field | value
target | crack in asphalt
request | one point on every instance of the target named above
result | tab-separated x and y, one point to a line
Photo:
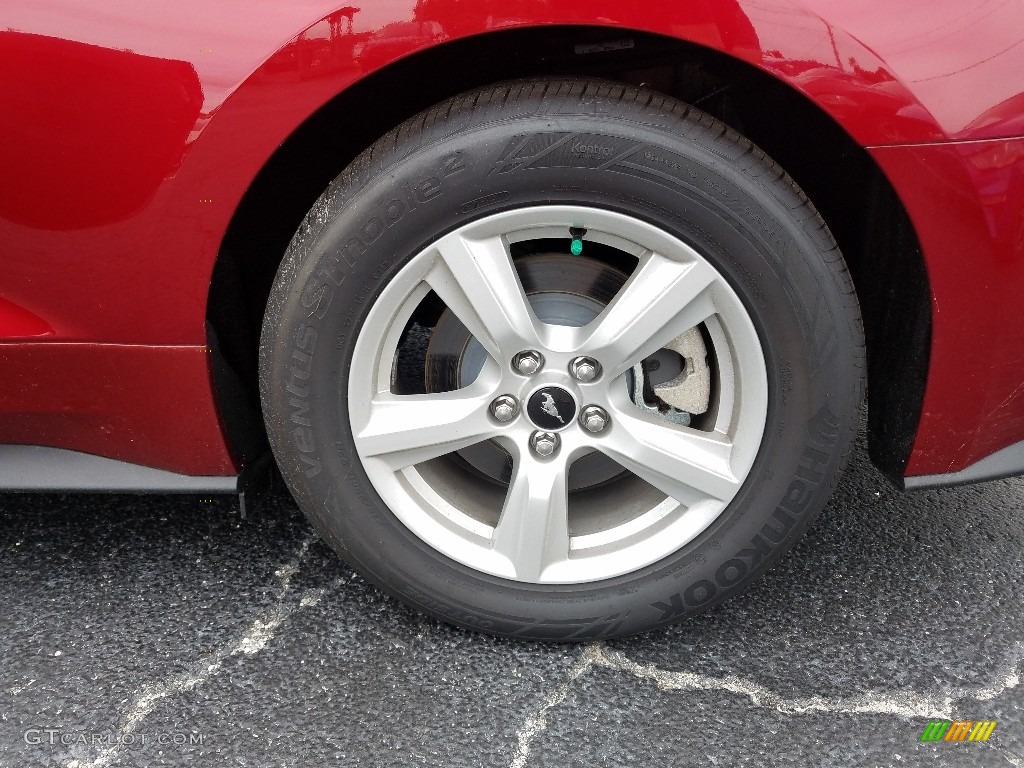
539	720
934	705
253	640
1011	757
906	704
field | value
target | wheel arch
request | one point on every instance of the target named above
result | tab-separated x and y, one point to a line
846	185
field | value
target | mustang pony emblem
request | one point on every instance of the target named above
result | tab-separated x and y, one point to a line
549	407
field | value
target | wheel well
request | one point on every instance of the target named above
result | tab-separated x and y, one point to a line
853	196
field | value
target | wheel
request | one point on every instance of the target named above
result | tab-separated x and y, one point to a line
562	360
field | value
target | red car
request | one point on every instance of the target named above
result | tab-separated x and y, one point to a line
556	316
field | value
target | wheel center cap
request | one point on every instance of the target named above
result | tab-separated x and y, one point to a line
551	408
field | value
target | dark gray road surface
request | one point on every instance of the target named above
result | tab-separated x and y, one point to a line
132	625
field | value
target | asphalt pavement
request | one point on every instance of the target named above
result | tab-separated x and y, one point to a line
164	631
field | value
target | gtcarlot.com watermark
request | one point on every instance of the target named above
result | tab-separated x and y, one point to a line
55	737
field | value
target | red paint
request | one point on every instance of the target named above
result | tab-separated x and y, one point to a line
76	132
132	130
19	322
146	405
967	204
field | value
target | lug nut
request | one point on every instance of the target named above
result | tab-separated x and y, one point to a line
528	362
594	418
544	443
584	369
504	407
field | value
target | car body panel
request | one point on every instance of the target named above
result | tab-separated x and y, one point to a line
109	241
142	404
966	201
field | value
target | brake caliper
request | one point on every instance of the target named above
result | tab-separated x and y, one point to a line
686	394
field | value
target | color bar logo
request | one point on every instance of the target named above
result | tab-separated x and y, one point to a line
958	730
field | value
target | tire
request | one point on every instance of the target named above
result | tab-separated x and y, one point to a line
394	318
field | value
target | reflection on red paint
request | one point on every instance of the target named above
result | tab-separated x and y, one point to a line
17	322
1004	119
94	131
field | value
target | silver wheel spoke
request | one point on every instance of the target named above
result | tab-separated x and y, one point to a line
459	504
478	282
533	531
687	465
403	430
663	299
